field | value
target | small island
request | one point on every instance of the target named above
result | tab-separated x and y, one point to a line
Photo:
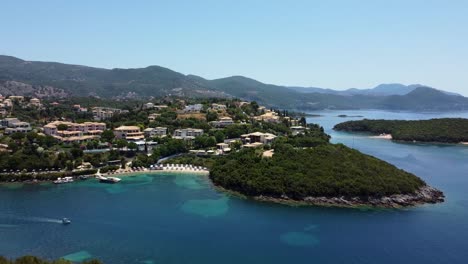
442	130
308	169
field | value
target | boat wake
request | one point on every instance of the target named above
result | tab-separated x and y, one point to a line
34	219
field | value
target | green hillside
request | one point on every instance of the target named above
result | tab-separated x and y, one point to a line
444	130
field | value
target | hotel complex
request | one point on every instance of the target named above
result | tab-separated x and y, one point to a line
74	132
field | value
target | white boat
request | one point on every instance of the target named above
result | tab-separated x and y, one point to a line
63	180
66	221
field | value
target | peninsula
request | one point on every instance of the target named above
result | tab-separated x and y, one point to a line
308	169
443	130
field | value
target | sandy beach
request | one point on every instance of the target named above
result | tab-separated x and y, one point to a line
167	169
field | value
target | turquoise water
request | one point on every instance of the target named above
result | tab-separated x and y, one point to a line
170	218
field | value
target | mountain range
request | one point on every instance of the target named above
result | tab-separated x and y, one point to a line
52	79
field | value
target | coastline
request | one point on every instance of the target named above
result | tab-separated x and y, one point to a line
425	195
122	173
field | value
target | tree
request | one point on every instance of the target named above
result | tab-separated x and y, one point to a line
121	143
132	146
62	127
302	121
211	116
76	152
17	136
107	136
219	135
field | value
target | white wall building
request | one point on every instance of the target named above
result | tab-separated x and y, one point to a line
187	133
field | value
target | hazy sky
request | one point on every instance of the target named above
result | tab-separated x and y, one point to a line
332	44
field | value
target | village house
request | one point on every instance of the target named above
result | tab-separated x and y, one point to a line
217	107
102	113
297	130
130	133
222	122
148	106
80	109
7	103
187	133
35	102
152	117
269	117
253	139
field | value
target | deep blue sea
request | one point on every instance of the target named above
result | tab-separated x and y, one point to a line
175	218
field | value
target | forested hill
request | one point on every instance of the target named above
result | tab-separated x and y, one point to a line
42	79
444	130
309	166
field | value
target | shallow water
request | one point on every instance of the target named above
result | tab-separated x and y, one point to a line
170	218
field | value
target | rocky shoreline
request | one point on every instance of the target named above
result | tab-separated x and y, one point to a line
425	195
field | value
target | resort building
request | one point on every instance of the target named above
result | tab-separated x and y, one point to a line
187	133
102	113
13	125
74	132
155	132
7	121
131	133
222	122
257	137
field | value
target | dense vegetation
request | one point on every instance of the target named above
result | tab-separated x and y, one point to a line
444	130
36	260
310	166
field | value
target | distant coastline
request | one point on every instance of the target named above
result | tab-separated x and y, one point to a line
442	130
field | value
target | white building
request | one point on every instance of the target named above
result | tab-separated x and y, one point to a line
187	133
193	108
102	113
13	125
222	122
218	106
258	137
296	130
155	132
148	105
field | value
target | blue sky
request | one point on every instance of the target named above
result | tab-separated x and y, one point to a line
331	44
